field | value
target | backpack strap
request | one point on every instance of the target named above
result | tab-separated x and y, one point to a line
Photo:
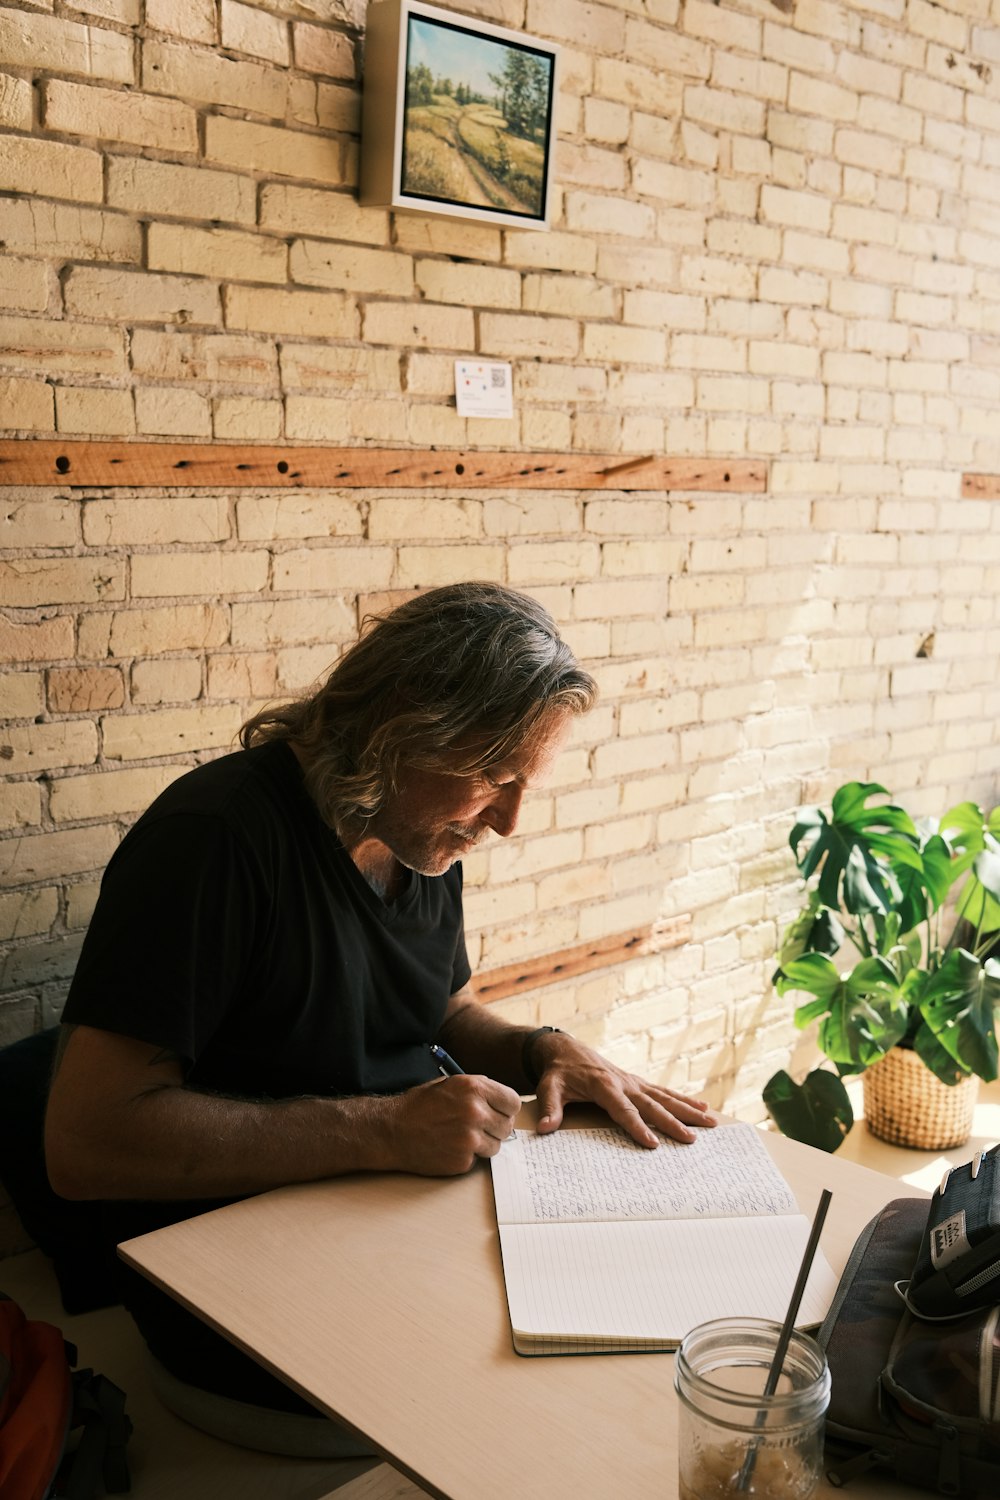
99	1458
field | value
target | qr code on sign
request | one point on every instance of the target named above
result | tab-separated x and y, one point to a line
497	377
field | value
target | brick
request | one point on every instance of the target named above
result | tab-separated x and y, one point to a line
180	627
216	574
144	736
30	582
21	695
136	297
161	519
314	570
65	232
272	149
15	102
322	50
593	213
326	214
211	78
424	325
75	690
293	515
552	562
94	412
247	417
884	117
20	805
49	169
246	29
33	748
746	75
682	186
567	296
168	679
470	286
719	109
408	518
221	358
26	405
25	285
622	345
41	641
292	622
192	19
790	45
50	856
27	913
554	251
109	794
36	342
513	337
267	310
648	88
164	412
165	189
351	269
244	676
54	44
348	369
228	254
125	12
136	119
425	567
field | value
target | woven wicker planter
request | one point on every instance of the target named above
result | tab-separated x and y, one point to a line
907	1105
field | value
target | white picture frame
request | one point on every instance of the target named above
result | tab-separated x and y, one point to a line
457	116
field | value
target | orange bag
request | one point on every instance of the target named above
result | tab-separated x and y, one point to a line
42	1401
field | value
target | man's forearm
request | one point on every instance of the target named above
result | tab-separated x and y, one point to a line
175	1142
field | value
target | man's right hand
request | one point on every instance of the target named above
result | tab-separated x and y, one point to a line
440	1128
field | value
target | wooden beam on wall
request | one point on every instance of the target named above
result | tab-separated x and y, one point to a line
43	461
981	486
533	973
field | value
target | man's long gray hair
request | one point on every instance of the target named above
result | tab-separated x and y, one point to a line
455	679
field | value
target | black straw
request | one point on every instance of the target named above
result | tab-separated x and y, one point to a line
773	1375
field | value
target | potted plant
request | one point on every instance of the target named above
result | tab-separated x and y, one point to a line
880	888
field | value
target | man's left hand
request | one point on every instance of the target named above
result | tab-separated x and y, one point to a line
575	1074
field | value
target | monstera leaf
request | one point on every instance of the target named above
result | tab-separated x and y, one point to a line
817	1111
862	1014
816	929
844	849
958	1005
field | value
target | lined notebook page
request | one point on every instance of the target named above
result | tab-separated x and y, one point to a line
645	1284
579	1175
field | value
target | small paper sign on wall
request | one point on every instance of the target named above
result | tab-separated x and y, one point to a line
483	388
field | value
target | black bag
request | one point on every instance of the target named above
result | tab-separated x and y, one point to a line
918	1399
62	1431
958	1267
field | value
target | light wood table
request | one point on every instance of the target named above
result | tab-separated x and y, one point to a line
381	1300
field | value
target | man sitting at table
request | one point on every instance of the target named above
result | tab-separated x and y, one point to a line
279	938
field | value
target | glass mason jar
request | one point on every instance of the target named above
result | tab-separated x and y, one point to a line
733	1440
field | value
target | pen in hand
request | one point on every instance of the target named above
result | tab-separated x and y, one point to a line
447	1066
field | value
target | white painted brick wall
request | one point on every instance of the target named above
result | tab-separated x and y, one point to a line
775	236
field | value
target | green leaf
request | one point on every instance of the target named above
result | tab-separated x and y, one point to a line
814	973
940	1062
816	929
963	826
862	1014
957	1004
817	1111
855	852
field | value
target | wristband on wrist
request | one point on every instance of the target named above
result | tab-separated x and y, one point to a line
527	1066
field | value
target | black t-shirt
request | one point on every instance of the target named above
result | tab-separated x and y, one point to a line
234	929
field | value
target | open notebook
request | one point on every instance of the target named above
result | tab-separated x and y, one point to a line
611	1248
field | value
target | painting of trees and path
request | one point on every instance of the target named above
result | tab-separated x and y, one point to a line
477	119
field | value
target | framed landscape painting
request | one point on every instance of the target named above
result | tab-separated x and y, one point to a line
457	116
